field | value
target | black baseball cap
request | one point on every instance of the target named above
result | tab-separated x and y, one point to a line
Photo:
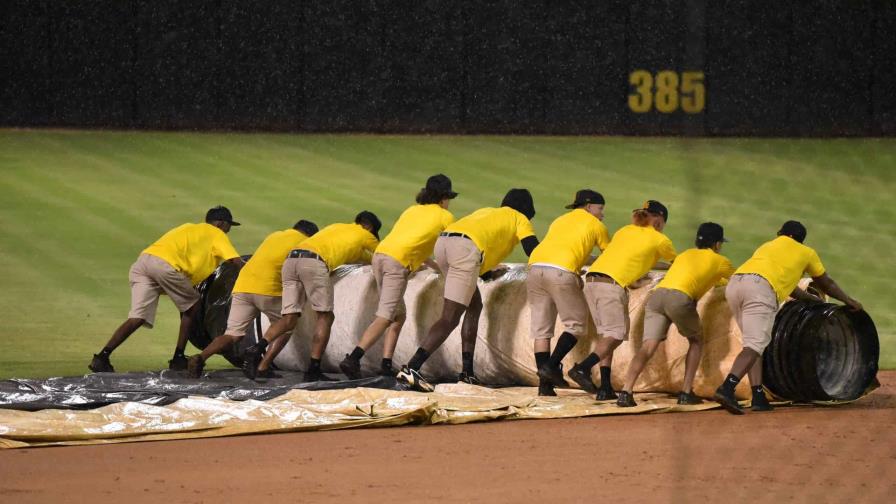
372	219
521	201
710	232
220	213
586	196
655	207
793	229
440	184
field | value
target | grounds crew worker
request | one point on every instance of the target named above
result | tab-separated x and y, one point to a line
674	300
258	289
754	294
466	250
306	274
554	286
633	251
402	251
177	262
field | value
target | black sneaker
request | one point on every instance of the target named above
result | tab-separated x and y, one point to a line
546	389
251	359
350	367
687	398
178	363
760	403
195	365
582	378
100	364
625	400
728	401
468	378
268	374
606	394
553	374
316	376
414	380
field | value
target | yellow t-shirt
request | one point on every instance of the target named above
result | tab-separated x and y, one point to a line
340	244
261	275
414	234
782	262
570	240
632	252
193	249
696	270
495	231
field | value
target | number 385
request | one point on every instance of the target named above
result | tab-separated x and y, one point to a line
667	92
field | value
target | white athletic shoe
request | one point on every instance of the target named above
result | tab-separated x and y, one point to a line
413	378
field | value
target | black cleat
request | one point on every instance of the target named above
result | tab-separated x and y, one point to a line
688	398
728	401
582	378
625	400
268	374
350	367
546	389
760	403
251	359
412	378
468	378
316	376
100	364
553	374
195	365
178	363
606	394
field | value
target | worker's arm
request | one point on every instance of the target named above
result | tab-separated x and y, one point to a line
830	287
802	295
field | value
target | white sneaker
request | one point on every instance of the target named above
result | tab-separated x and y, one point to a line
413	378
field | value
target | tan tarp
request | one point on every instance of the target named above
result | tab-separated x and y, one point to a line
301	410
504	350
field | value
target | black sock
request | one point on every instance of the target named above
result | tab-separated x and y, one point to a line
106	351
262	344
730	383
314	365
565	343
467	359
357	353
605	378
418	359
386	365
589	362
541	358
758	390
179	352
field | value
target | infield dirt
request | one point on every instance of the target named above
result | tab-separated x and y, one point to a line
794	454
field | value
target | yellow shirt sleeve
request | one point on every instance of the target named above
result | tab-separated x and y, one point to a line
447	219
815	268
523	227
726	269
603	237
667	250
222	248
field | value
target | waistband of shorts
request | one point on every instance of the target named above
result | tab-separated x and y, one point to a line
306	254
452	235
594	276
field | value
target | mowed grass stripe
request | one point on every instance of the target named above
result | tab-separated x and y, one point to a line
98	198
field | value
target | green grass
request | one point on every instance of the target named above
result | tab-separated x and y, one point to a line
77	207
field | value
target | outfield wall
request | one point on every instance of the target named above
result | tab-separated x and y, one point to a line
663	67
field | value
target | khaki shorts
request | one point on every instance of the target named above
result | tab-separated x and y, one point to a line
609	309
391	280
551	291
244	308
753	305
667	306
459	260
306	278
151	276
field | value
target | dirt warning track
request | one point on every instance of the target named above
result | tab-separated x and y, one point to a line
796	454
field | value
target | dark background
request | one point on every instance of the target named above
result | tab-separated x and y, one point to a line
820	68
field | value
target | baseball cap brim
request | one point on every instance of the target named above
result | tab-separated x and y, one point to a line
234	223
452	194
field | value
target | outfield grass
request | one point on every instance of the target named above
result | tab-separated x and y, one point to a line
77	207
